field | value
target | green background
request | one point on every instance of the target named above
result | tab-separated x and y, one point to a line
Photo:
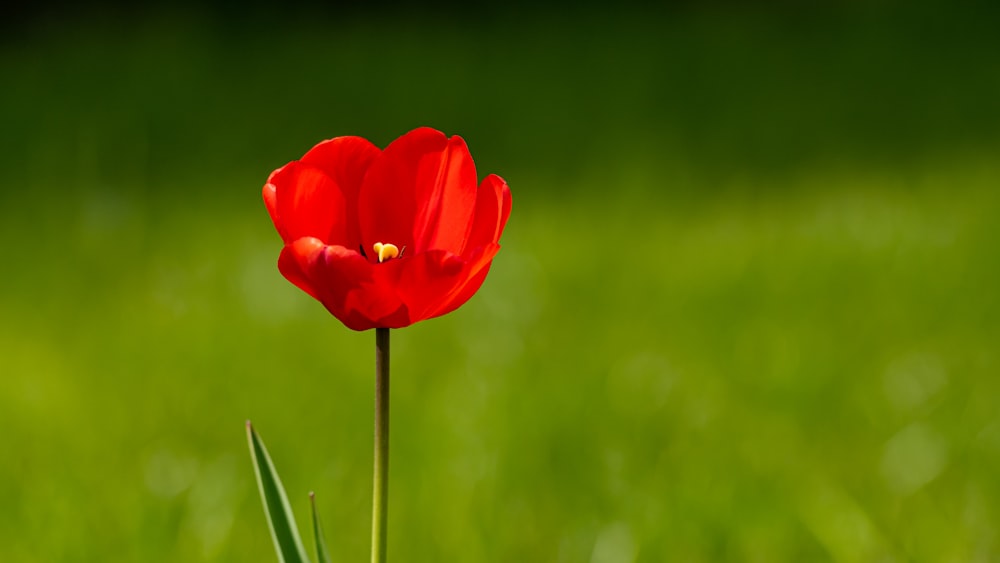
746	307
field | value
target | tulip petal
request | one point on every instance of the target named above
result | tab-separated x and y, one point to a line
465	292
446	199
309	204
345	283
346	161
288	265
271	202
480	266
492	211
430	282
504	208
420	193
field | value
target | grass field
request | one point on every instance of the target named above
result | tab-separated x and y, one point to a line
745	310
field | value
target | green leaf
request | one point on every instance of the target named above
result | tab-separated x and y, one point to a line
322	553
279	513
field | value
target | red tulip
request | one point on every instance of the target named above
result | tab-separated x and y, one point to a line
386	238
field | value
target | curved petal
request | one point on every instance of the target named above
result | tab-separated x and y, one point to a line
309	204
477	274
345	160
344	282
492	211
465	292
504	209
271	202
288	265
420	193
446	199
429	282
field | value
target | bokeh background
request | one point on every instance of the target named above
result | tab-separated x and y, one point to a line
746	308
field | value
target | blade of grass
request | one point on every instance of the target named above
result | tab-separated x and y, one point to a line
280	519
322	553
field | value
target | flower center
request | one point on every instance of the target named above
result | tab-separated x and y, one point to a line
385	251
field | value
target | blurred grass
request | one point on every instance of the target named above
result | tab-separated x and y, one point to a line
745	310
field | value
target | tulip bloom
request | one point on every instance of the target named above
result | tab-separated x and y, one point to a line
387	238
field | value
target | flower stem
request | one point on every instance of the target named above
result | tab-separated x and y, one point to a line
380	494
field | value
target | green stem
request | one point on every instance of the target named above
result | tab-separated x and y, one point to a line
380	495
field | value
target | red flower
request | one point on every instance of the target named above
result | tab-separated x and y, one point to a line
387	238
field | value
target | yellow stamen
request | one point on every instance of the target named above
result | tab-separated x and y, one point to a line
385	251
